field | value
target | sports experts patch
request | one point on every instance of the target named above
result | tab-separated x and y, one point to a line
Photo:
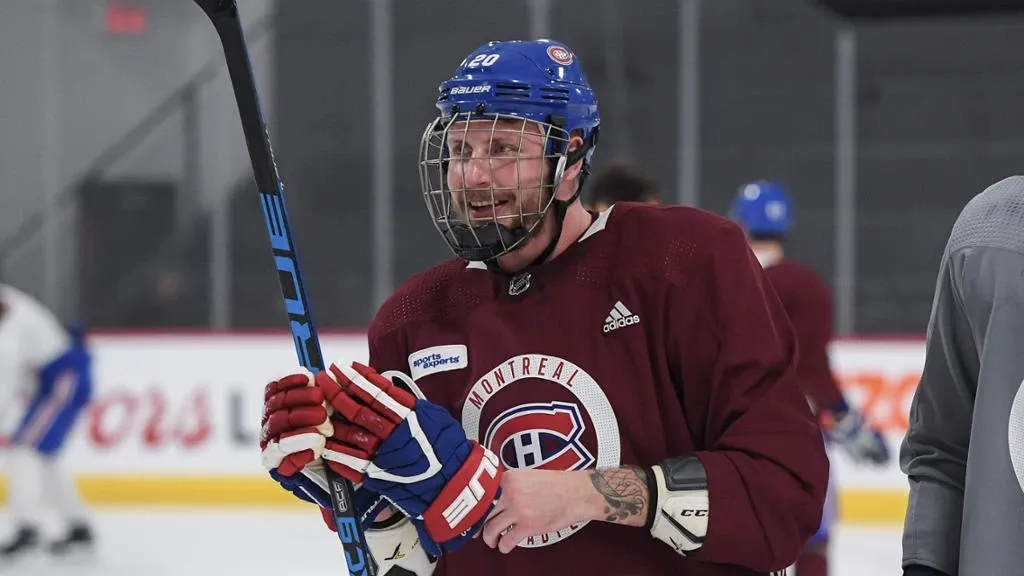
437	359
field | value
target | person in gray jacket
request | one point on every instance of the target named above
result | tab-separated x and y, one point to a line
964	451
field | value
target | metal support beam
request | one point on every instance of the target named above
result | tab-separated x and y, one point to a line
382	122
689	103
540	18
845	179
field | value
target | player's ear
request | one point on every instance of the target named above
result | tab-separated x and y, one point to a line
572	172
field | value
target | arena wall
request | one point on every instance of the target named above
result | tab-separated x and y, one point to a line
175	418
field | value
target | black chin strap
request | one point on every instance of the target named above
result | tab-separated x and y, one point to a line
560	207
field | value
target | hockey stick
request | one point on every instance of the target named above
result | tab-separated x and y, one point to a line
224	16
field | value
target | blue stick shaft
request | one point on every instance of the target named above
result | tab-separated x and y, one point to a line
224	15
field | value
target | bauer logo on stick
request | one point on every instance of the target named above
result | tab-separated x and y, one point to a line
560	55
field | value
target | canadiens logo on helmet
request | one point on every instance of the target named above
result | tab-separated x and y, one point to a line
542	435
560	55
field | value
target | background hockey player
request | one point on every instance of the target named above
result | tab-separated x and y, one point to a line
607	393
765	212
964	450
621	182
43	361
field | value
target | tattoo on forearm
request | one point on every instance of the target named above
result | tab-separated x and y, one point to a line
624	491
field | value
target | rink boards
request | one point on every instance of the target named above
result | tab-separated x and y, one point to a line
175	418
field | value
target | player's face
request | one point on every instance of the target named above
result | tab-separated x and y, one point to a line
497	172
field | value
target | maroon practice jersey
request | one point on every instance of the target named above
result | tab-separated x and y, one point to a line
653	336
808	303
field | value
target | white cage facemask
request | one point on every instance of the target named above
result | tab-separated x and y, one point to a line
488	181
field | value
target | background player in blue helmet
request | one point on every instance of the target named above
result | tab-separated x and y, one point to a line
41	360
765	212
621	182
547	431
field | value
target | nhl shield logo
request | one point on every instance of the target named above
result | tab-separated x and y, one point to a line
519	284
545	436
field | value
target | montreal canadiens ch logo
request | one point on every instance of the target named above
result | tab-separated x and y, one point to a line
540	436
546	434
560	55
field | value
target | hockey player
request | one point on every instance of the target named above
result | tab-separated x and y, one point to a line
765	212
595	393
964	450
621	183
51	366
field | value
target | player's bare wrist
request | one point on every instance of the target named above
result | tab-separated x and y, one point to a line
619	495
387	515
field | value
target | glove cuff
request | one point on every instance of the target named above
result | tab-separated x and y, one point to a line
679	508
467	496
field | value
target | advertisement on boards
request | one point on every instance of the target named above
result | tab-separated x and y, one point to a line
175	417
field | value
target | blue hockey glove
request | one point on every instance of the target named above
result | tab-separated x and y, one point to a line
858	439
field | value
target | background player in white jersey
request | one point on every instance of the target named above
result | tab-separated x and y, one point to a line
49	366
964	449
621	182
765	211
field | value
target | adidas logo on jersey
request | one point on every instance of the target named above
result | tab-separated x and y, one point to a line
619	317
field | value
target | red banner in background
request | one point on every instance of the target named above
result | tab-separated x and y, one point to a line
884	399
151	416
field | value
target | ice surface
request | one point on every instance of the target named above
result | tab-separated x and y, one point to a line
162	542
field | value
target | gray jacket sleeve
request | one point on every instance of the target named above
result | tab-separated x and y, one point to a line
964	450
963	454
934	452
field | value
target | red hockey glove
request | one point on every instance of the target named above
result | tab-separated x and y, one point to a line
295	426
295	431
424	463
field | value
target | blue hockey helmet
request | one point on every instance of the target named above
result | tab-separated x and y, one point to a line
763	208
511	85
